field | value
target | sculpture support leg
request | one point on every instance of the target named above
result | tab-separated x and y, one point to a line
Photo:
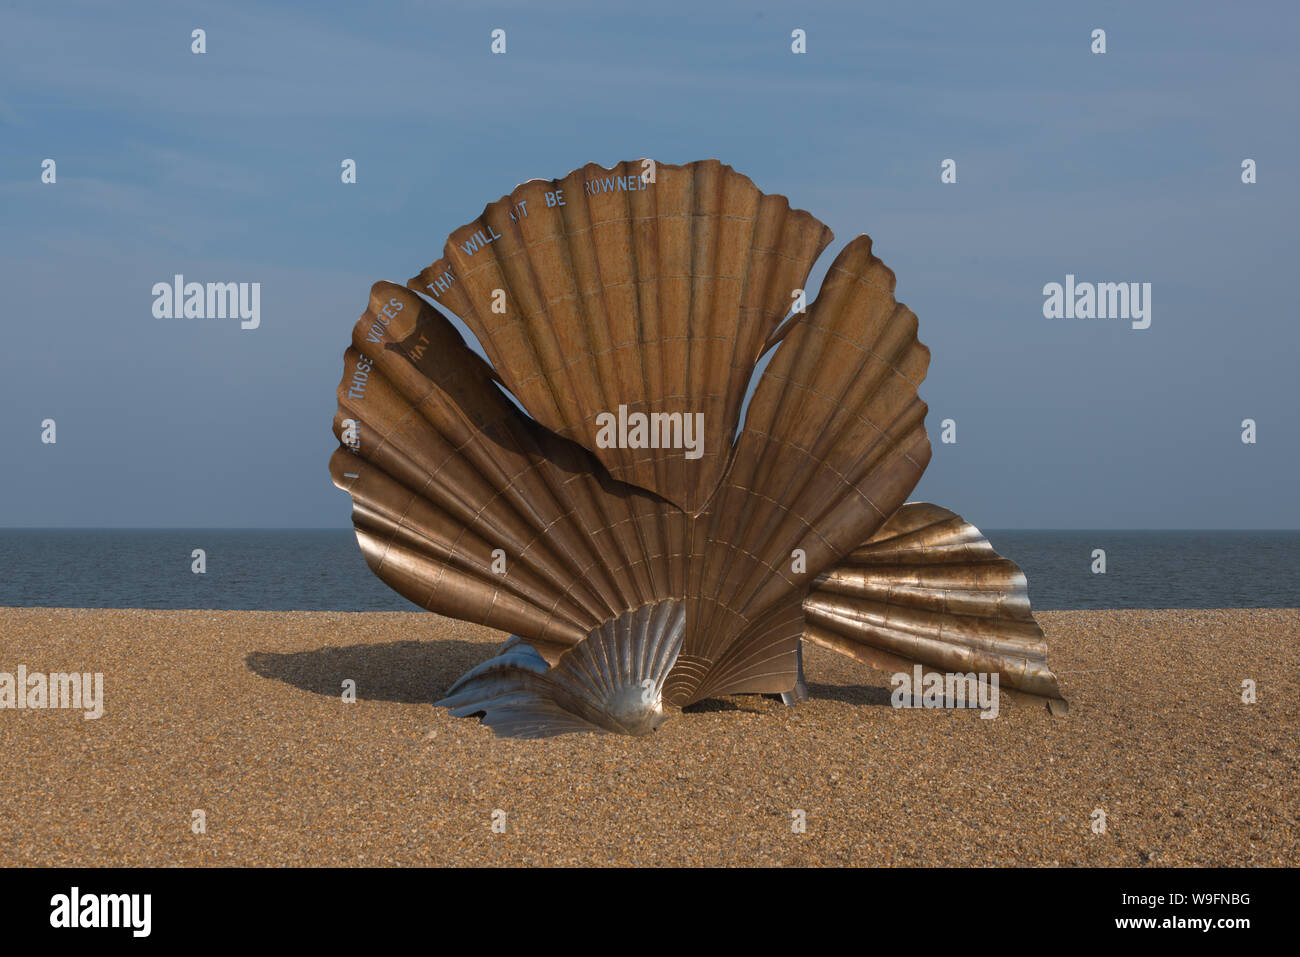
800	690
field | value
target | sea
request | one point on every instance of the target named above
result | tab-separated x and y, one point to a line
322	570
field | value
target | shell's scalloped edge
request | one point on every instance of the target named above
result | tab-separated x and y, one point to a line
506	198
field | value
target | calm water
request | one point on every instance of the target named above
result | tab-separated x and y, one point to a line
324	570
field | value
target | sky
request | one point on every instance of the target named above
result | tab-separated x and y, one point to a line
225	167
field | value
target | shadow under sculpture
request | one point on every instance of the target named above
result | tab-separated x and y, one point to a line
643	553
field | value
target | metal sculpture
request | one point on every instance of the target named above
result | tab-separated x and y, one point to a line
587	488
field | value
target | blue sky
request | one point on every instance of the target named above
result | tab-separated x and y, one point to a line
225	167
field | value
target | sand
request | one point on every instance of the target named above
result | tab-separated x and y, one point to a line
240	715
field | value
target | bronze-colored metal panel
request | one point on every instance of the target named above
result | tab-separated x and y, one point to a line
602	290
929	589
445	471
834	441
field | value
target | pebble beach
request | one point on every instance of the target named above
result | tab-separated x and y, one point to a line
241	716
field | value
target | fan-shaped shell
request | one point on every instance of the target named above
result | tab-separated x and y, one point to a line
929	589
604	290
658	297
611	681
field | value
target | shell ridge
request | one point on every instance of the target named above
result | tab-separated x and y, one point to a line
645	530
653	585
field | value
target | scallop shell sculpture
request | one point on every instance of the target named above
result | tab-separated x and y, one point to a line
587	489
